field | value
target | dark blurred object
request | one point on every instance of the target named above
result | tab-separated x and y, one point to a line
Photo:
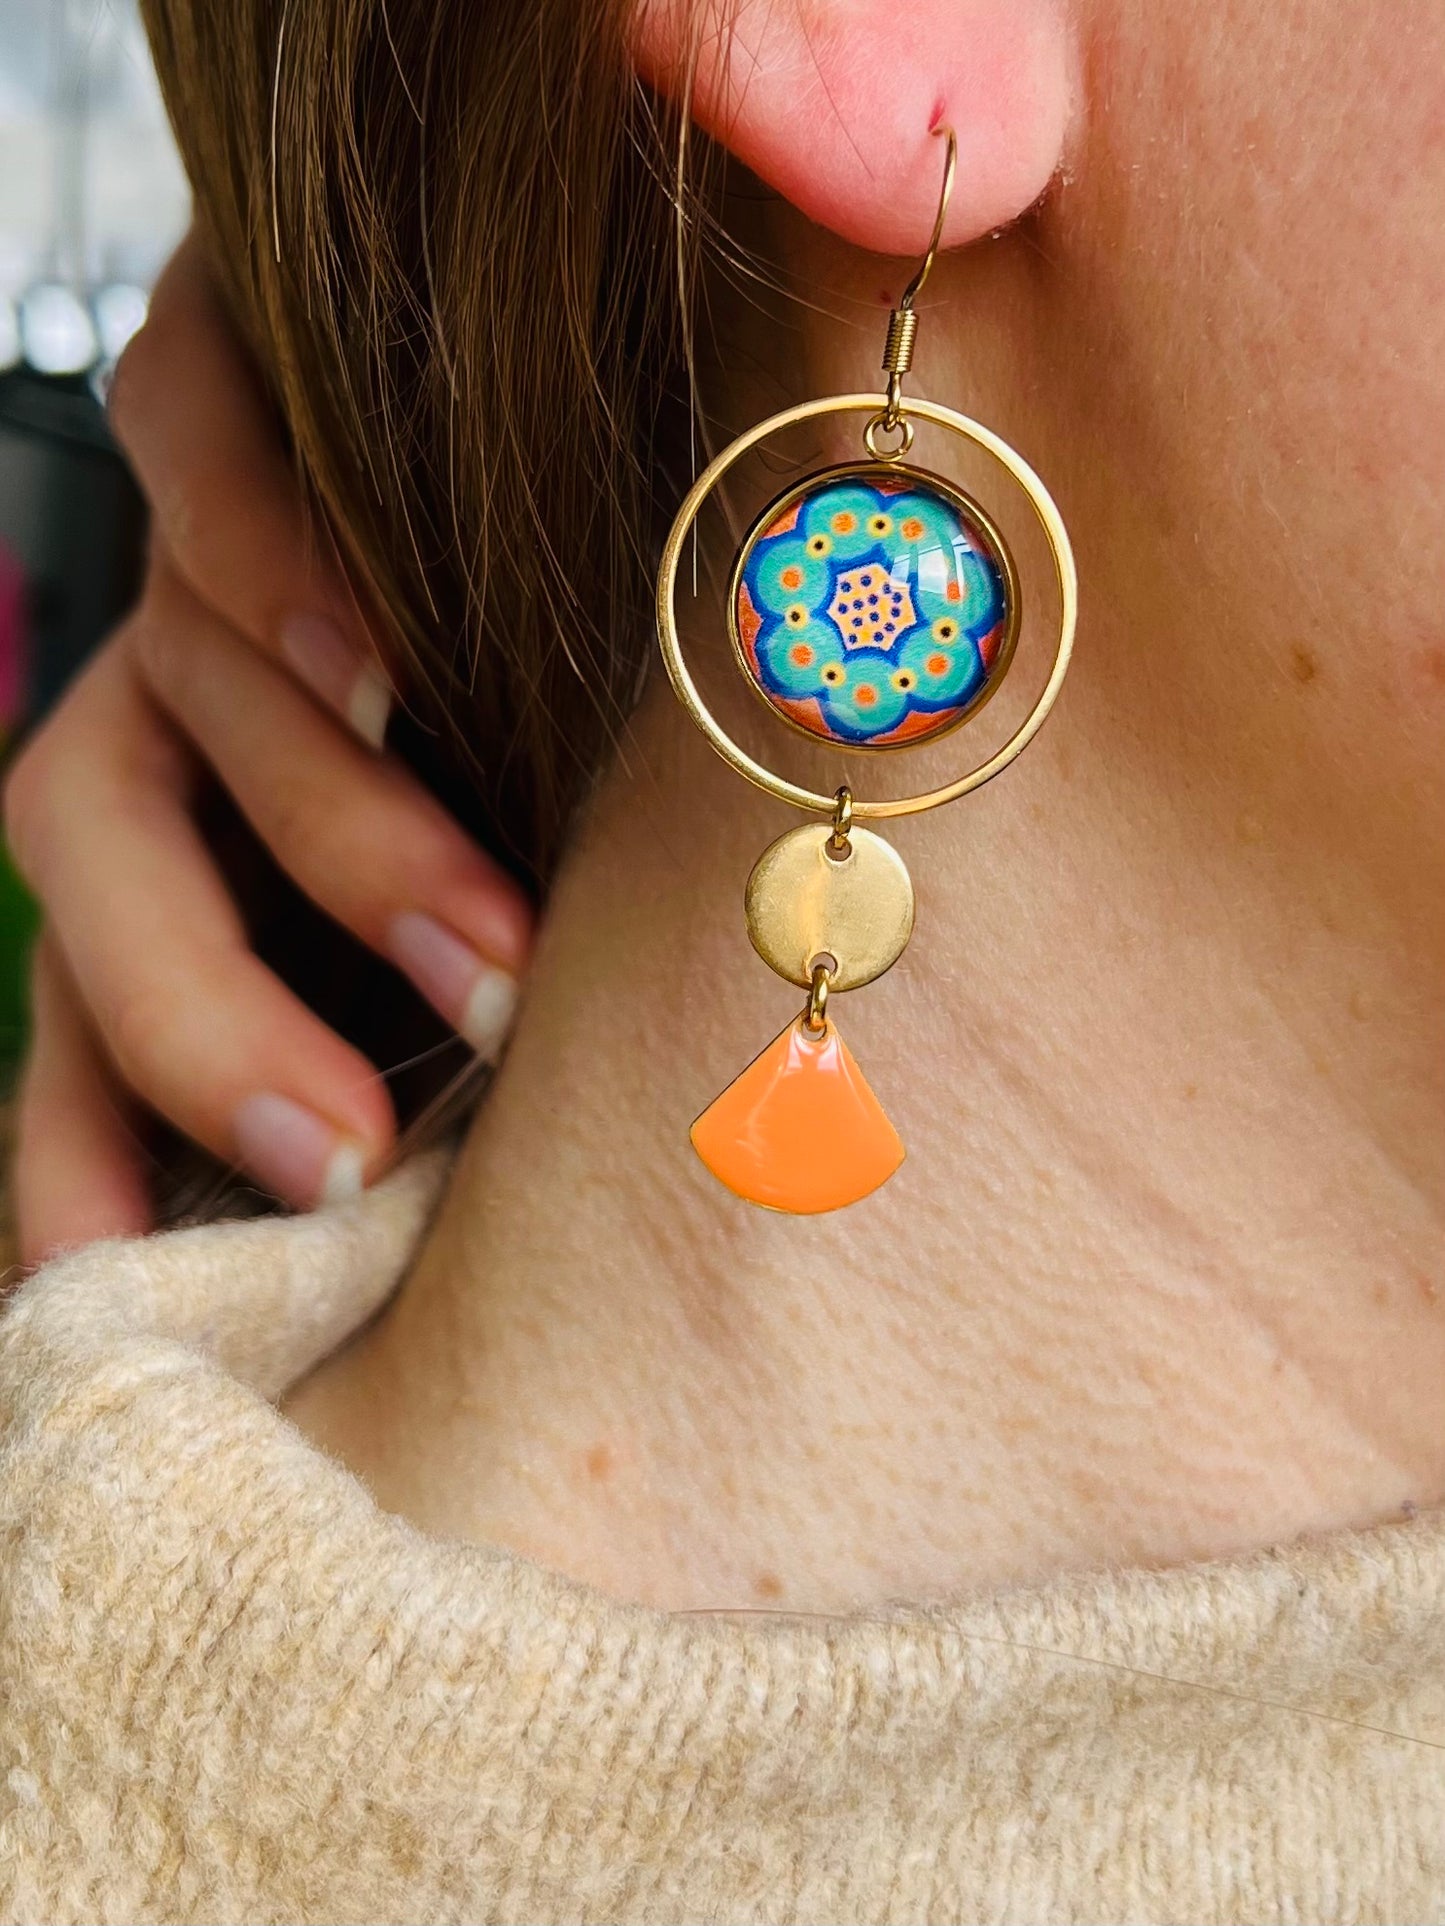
71	518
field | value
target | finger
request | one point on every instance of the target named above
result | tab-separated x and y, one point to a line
79	1170
193	1023
360	835
190	412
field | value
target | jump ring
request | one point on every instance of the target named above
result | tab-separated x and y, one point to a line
816	1014
881	421
842	817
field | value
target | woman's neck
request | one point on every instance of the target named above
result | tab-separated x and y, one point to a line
1156	1280
1161	1275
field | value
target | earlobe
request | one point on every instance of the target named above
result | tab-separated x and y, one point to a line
833	102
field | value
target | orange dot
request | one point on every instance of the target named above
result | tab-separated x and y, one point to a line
954	592
865	695
912	529
937	664
791	578
801	654
844	523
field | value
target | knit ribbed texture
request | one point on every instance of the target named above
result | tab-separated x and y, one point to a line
232	1690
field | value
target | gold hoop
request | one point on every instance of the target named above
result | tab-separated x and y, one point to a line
762	778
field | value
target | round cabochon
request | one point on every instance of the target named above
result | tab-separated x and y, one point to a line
874	606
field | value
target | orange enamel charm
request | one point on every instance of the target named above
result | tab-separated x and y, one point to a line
800	1130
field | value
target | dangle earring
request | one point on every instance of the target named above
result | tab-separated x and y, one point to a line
874	606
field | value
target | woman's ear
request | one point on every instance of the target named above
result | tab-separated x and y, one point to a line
832	102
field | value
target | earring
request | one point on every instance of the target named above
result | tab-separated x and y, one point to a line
873	606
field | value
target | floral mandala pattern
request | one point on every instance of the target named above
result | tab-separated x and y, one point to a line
872	610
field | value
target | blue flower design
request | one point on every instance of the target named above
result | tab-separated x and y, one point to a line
874	605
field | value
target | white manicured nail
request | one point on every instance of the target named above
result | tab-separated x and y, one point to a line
345	1175
326	662
297	1155
487	1019
368	707
477	998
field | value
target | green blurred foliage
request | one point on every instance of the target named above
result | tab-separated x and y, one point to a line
19	920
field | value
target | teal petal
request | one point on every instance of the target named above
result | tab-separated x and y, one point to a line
981	605
841	498
866	669
958	683
940	522
781	674
771	560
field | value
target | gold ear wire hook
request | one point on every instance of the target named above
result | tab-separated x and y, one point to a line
903	324
945	195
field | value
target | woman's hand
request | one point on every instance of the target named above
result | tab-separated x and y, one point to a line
245	657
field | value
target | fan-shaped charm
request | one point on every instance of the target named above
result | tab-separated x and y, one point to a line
800	1130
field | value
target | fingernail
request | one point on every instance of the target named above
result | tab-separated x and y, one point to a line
295	1154
326	662
476	998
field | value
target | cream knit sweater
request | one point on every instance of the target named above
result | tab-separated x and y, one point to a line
231	1689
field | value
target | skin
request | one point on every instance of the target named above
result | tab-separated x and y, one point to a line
1161	1277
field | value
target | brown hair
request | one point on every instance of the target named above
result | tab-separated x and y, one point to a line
447	231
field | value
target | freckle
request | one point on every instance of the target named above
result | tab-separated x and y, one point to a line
1429	1289
1191	1091
768	1585
1358	1007
1087	1485
1433	663
1015	1426
600	1461
1381	1294
1302	665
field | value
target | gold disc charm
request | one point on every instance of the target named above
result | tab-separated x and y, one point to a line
807	897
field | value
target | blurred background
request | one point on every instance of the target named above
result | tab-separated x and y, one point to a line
92	200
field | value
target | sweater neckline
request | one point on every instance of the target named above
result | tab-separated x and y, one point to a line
220	1320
